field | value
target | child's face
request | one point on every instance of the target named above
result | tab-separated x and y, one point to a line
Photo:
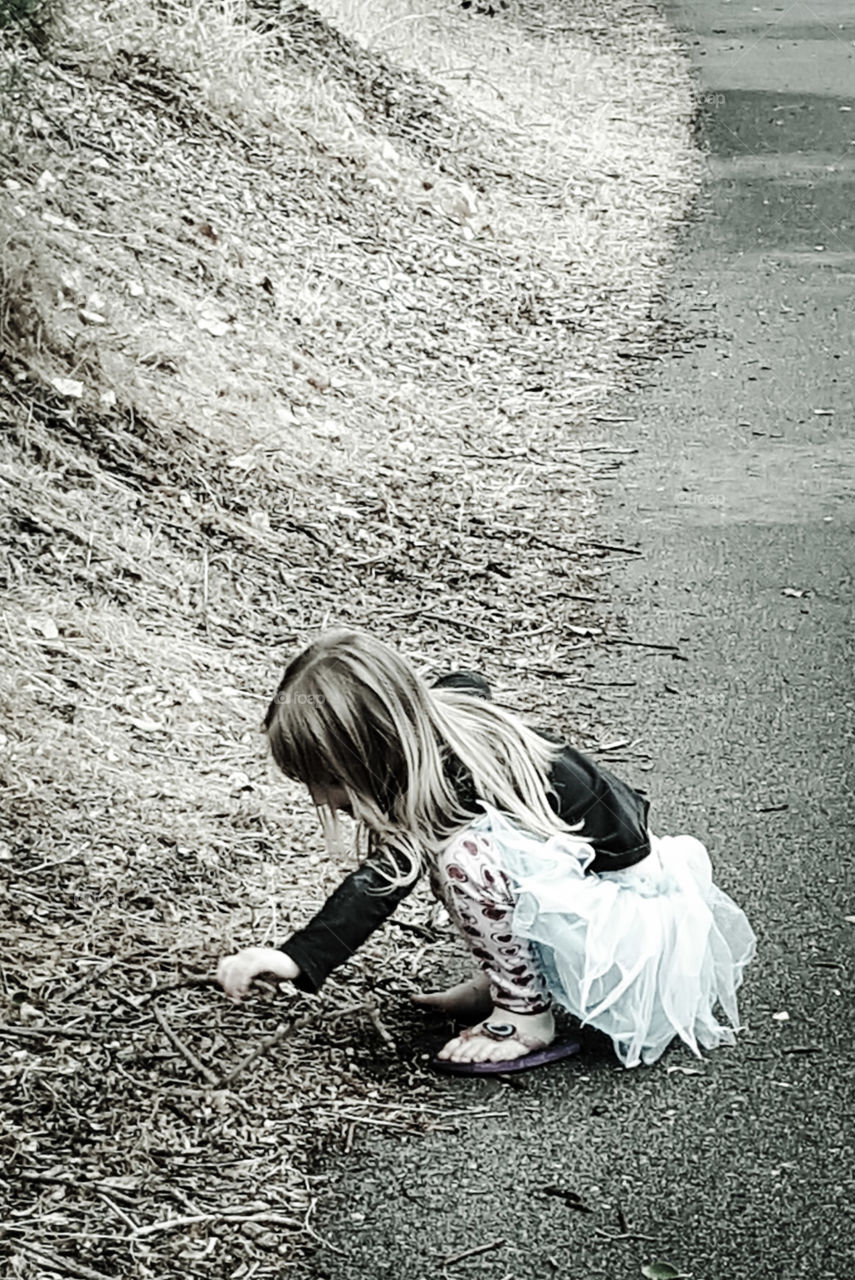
333	796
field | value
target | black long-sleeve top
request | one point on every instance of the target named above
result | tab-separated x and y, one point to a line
614	818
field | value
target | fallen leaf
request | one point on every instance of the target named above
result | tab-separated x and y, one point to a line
783	1016
329	429
92	317
122	1182
795	593
661	1271
685	1071
571	1198
67	387
45	626
145	724
243	462
211	324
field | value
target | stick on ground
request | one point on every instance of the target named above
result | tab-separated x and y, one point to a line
179	1044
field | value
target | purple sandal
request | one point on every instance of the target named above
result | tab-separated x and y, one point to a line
540	1056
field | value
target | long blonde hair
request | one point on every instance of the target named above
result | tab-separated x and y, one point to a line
353	713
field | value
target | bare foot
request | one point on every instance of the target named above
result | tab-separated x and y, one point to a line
469	999
535	1031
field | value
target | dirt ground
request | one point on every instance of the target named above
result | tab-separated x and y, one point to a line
306	316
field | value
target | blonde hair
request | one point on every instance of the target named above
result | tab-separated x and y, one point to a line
353	713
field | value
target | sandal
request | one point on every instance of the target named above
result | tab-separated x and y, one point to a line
539	1056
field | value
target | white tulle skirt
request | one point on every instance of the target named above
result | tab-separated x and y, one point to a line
644	954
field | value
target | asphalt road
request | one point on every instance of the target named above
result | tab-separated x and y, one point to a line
740	498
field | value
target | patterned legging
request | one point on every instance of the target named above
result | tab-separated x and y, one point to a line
478	896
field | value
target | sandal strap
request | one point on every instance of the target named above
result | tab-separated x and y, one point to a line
531	1043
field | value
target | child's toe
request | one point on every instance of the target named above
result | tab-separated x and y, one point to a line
505	1052
468	1051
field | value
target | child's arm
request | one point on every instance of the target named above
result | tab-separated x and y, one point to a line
362	902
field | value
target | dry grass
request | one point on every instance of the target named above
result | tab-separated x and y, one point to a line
303	314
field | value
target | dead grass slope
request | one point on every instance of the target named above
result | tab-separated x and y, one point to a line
302	315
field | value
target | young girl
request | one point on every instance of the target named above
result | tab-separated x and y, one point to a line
544	861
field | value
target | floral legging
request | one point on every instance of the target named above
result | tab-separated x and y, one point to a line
469	881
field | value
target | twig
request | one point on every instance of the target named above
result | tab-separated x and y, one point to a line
192	1219
615	746
46	866
313	1233
118	1210
639	644
623	1235
614	546
284	1029
377	1123
281	1032
86	979
571	1198
609	684
374	1014
472	1253
70	1033
182	1047
462	624
63	1264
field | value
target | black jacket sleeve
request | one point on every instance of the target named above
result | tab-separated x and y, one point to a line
362	902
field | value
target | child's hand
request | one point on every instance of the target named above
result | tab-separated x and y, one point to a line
235	973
